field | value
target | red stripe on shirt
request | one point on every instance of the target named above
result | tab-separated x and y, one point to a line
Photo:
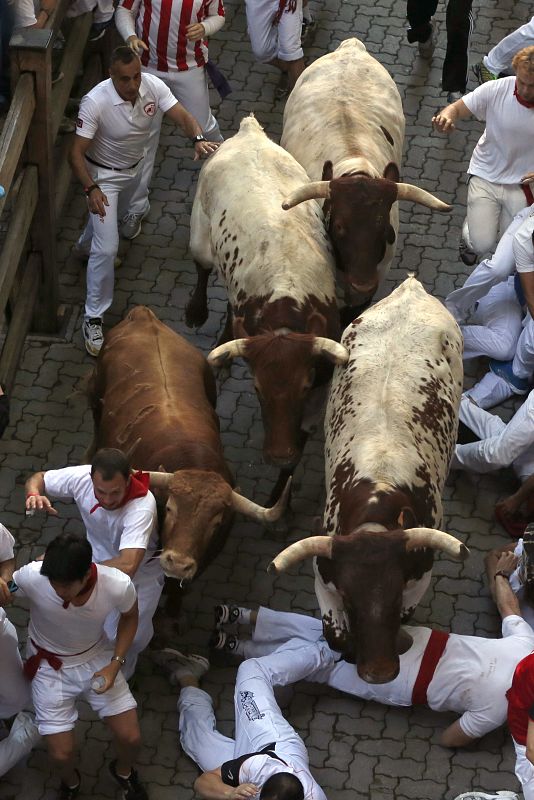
201	14
147	16
181	50
163	34
127	4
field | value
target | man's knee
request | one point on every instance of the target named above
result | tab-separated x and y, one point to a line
62	751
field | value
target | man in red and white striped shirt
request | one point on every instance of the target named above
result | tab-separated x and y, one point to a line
170	38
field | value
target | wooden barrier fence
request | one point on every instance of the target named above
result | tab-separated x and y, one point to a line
35	175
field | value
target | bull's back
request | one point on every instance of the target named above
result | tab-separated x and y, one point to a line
392	414
238	223
344	105
150	383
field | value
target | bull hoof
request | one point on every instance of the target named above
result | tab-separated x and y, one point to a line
195	317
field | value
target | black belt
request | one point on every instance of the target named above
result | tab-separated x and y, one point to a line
115	169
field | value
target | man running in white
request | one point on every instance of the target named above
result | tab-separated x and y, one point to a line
68	656
15	692
499	58
120	517
502	156
170	36
275	28
465	674
267	759
114	124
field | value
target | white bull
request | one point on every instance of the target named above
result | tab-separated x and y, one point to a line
344	123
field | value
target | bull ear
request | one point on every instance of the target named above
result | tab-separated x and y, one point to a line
407	518
328	171
238	327
161	468
391	173
316	324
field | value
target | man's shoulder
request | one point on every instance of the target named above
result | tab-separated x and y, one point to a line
141	505
112	577
81	472
98	94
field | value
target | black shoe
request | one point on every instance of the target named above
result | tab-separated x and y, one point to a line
132	788
69	792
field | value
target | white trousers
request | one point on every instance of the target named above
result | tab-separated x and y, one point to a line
15	691
258	718
497	324
524	771
270	41
490	208
501	444
103	9
100	239
490	271
22	738
490	391
499	58
148	587
191	89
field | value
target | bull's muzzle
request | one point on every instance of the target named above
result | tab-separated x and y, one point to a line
379	672
179	566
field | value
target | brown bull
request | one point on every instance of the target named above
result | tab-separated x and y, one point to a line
153	394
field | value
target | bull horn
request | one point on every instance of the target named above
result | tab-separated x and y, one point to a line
306	548
160	480
259	513
330	349
407	191
227	351
437	540
309	191
131	450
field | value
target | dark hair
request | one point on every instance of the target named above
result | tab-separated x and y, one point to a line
123	54
282	786
108	461
67	558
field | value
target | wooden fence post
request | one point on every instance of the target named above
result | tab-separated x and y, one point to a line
31	51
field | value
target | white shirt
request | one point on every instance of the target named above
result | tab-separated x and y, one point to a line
24	13
75	630
168	48
134	525
503	153
119	130
471	678
522	245
260	768
6	553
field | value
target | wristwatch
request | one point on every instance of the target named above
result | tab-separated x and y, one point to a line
122	661
198	138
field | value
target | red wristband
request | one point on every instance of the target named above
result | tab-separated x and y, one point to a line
33	494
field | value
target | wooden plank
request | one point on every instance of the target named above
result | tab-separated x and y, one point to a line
15	130
72	58
19	226
63	174
20	322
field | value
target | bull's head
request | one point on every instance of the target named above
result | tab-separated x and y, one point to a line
283	366
370	571
198	509
360	228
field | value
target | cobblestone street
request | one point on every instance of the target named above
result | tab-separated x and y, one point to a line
357	749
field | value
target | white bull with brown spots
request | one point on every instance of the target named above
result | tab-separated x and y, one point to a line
390	430
344	123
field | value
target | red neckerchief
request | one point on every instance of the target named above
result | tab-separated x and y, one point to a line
520	100
93	577
138	487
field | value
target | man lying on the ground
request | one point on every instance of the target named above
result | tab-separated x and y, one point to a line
267	759
449	672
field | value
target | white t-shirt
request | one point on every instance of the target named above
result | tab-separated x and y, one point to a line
471	678
119	130
24	13
6	553
503	153
522	245
75	629
134	525
259	768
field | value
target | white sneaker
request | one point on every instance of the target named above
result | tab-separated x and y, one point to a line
178	665
502	795
131	225
93	335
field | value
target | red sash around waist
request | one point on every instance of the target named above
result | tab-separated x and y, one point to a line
433	652
31	665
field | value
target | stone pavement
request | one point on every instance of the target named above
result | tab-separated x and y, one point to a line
357	749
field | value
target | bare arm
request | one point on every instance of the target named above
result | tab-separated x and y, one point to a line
210	786
491	561
506	600
453	736
527	284
35	494
445	120
191	128
530	741
96	200
128	561
126	630
6	574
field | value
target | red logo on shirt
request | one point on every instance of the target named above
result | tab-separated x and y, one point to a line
150	109
79	123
